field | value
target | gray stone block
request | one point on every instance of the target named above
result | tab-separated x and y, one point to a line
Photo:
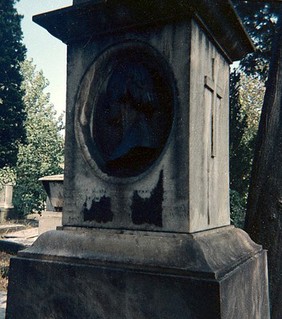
178	182
80	274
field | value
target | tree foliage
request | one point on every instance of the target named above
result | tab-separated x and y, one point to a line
264	213
12	53
7	175
43	152
246	99
259	19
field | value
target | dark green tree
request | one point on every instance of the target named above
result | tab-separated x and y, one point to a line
42	154
237	129
264	213
246	99
259	19
12	53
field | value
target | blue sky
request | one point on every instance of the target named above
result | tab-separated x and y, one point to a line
48	53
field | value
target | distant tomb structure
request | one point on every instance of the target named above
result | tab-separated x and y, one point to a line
6	202
51	217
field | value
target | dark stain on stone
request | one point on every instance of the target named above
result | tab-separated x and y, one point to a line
148	210
100	211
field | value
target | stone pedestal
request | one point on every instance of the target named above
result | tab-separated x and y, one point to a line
139	275
54	187
49	220
6	203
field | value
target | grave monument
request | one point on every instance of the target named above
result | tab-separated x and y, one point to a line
51	217
6	203
146	230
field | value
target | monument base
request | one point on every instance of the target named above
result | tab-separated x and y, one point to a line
49	220
80	273
7	214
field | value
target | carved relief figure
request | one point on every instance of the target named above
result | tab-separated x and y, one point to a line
130	117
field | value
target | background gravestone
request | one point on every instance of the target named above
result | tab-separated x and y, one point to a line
51	217
146	230
6	203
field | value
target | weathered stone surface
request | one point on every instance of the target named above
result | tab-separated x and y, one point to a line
144	236
168	170
76	23
6	203
3	297
191	196
81	274
49	220
185	176
6	196
54	186
203	252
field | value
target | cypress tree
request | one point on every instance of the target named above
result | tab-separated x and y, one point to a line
12	53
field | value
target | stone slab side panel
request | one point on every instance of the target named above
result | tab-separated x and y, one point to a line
85	186
208	141
245	293
41	289
44	290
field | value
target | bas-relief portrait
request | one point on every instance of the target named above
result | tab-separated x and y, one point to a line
132	115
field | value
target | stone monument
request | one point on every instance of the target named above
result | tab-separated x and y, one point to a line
51	217
146	230
6	203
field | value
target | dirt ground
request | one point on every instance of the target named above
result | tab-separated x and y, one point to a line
4	268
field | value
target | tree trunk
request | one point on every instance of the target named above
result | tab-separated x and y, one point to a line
264	211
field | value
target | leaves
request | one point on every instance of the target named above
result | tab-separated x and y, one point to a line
42	154
246	99
7	175
264	214
246	96
12	113
259	19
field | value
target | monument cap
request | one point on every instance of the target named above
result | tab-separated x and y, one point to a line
218	17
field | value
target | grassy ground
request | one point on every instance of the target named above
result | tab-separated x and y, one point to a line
4	268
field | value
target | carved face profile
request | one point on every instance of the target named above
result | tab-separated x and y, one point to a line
128	108
132	113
